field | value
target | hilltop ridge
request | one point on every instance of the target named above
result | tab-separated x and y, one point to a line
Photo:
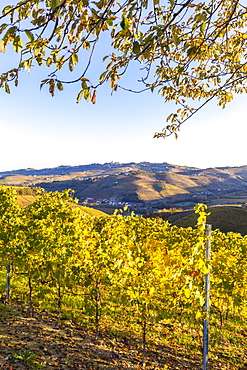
62	170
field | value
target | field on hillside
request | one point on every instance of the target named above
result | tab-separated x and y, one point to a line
225	218
27	196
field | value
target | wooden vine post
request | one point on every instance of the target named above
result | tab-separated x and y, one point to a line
8	282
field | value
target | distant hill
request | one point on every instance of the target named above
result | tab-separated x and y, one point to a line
226	219
95	167
150	185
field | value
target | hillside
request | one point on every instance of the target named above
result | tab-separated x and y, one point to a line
27	196
153	185
223	218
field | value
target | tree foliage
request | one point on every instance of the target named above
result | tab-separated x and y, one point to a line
189	51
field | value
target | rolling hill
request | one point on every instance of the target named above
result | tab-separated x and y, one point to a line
146	185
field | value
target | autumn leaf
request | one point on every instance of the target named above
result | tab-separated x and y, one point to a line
93	99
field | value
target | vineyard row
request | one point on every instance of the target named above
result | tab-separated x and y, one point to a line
143	272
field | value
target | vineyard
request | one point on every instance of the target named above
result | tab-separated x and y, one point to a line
141	277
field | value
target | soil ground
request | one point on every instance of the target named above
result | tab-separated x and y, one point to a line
37	343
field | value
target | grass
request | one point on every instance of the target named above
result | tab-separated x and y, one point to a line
91	211
171	190
25	200
28	358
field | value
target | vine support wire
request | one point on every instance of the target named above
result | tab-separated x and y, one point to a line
207	298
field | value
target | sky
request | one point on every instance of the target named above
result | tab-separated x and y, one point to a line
40	131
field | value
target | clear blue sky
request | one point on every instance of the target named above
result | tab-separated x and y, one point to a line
39	131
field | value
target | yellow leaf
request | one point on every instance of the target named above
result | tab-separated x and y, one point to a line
7	89
2	46
187	292
198	315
